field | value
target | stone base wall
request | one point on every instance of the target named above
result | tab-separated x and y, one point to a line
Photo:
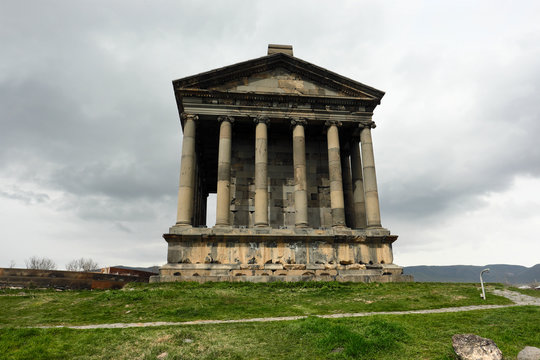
289	278
332	255
277	272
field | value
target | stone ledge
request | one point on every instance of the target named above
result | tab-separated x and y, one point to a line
286	278
359	272
265	233
202	266
273	267
392	269
353	272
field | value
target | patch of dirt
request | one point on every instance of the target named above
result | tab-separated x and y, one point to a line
162	339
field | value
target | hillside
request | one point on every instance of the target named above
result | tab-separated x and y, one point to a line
502	273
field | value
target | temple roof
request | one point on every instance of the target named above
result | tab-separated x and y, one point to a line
278	74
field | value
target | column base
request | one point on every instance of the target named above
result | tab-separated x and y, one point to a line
183	225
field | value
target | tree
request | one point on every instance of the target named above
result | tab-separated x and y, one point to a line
12	264
82	264
41	263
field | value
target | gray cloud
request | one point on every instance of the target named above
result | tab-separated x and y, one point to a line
27	197
474	136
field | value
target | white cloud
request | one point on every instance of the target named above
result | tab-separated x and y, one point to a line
500	231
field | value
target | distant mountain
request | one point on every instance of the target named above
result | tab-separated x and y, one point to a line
502	273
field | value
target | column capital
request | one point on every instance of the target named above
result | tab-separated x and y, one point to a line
186	116
298	121
261	119
369	124
225	118
332	122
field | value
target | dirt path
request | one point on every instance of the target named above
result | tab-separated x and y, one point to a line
517	298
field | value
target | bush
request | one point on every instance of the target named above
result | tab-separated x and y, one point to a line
82	264
40	263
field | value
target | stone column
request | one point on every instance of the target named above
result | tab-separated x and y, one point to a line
187	172
300	178
370	180
348	190
358	186
261	172
224	171
334	168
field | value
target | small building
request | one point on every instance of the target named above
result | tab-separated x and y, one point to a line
127	271
286	146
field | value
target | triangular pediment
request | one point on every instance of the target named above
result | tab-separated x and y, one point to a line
278	81
279	74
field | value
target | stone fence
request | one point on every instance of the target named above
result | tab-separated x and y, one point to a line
28	278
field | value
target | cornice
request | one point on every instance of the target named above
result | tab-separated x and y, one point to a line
296	98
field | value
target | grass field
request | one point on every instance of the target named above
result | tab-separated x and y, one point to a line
415	336
377	337
192	301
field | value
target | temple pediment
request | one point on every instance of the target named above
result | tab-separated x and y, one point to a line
279	74
278	81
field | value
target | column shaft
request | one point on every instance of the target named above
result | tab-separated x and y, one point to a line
187	173
336	184
370	180
358	186
261	173
300	178
348	191
224	172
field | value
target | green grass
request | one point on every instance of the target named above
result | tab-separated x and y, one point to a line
378	337
193	301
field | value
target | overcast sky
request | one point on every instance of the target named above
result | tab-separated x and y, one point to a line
90	139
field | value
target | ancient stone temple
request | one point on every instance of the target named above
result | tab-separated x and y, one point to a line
287	147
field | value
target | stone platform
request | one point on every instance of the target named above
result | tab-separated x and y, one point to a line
268	254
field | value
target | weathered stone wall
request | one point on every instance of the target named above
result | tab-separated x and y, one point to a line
280	180
223	254
284	250
318	183
30	278
279	81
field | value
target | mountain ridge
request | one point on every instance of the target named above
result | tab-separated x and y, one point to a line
502	273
